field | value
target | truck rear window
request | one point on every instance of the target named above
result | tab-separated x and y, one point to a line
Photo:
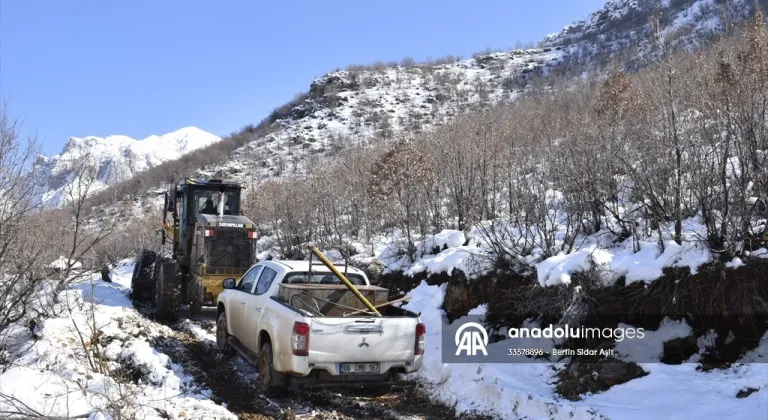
322	278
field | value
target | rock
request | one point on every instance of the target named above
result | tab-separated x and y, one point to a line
373	271
288	414
678	350
613	372
484	61
593	375
462	294
105	275
744	393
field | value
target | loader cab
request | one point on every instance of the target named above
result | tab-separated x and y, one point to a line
202	197
195	197
211	240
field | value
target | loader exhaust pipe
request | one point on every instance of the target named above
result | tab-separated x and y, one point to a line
221	204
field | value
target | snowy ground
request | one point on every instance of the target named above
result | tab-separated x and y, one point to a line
50	375
526	390
156	371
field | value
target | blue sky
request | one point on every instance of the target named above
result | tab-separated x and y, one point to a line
141	67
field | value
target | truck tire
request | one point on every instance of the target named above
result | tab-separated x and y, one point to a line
222	335
167	291
273	383
195	290
142	282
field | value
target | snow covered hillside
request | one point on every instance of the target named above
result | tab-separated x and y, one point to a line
624	25
368	104
114	158
357	106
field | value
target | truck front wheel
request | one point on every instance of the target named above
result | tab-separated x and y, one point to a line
222	336
272	382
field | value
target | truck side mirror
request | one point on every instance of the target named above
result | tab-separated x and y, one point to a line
229	283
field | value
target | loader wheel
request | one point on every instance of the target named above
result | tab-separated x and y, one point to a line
222	335
195	298
273	383
142	282
167	291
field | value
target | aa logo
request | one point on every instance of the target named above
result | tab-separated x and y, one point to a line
471	338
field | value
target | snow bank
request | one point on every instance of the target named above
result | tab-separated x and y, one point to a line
522	390
51	375
62	262
621	260
736	262
651	347
526	390
558	269
197	331
153	364
444	252
450	250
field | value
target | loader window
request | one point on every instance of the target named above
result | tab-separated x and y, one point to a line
202	205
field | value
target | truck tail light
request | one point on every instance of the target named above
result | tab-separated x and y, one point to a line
209	232
252	234
300	339
421	339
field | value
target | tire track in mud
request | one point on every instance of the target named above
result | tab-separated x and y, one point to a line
210	370
233	381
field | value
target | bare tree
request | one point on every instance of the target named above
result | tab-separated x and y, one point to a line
21	269
398	180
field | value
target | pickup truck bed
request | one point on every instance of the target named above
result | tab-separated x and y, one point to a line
329	299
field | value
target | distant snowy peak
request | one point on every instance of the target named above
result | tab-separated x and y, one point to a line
183	141
117	158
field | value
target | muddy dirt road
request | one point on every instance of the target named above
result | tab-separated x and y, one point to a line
234	383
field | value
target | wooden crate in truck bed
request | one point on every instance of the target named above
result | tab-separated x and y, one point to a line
337	293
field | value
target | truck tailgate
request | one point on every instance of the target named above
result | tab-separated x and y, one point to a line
352	339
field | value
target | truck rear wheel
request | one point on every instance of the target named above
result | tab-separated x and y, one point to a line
142	283
272	382
167	291
196	291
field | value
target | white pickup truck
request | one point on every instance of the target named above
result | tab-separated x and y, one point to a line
290	344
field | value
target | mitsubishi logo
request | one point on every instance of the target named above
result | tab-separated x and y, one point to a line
363	343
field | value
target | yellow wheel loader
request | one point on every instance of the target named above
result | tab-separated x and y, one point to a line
211	240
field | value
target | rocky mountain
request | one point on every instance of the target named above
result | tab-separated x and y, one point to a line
365	104
625	27
113	158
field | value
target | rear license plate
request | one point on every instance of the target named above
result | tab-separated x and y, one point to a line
358	368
